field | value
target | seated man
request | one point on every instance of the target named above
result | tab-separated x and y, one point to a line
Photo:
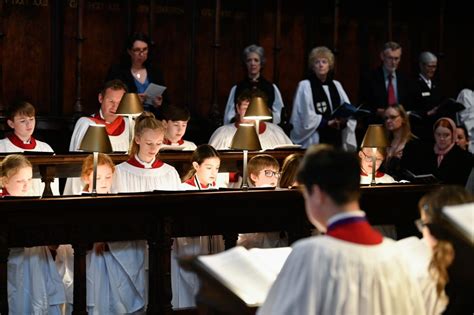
270	134
350	270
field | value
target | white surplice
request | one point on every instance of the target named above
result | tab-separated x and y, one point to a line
273	135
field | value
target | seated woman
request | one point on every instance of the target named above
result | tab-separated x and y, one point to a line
448	162
430	258
462	137
366	166
406	151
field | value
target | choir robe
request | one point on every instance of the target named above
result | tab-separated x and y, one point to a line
350	270
418	255
180	145
270	135
119	139
276	107
380	178
306	120
13	144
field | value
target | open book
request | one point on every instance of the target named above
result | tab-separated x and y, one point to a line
347	110
461	218
249	274
422	178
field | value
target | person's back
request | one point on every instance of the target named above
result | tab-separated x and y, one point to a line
350	270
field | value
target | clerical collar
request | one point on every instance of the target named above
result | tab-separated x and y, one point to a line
344	215
168	142
29	145
135	161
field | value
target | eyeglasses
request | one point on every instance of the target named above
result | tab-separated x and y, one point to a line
270	173
138	51
369	158
420	225
391	117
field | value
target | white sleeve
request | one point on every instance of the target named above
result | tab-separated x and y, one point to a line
349	141
230	107
277	105
79	131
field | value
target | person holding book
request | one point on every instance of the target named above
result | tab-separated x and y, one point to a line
21	119
351	269
431	258
34	284
175	120
253	57
270	134
316	99
137	71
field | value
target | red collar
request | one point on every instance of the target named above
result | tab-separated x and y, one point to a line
262	126
113	129
355	230
168	142
5	192
19	143
378	174
193	181
133	161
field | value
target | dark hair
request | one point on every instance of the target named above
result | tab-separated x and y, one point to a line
115	85
137	36
335	172
175	113
200	154
463	127
289	170
247	95
20	108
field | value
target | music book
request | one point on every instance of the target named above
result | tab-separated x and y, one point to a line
286	147
171	148
249	274
347	110
461	217
449	106
152	91
422	178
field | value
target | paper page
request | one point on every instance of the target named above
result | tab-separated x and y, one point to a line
238	271
287	146
272	259
152	91
462	217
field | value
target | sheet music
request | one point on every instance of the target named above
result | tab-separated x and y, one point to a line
152	91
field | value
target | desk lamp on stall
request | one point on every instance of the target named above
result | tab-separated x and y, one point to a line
96	141
257	111
130	106
245	138
375	138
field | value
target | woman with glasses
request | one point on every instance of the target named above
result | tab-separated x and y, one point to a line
137	72
406	151
438	258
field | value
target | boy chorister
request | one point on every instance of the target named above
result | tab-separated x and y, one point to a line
176	120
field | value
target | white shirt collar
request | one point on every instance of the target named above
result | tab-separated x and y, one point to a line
145	164
345	215
427	81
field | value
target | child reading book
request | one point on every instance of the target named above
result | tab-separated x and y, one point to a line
176	120
366	165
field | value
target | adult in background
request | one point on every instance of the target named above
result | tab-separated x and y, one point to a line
137	71
253	57
466	116
315	100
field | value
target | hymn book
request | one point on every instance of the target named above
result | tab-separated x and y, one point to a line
248	274
461	218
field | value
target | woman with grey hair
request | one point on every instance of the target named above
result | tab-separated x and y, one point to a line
253	57
315	100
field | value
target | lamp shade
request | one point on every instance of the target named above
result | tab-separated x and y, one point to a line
258	110
375	137
96	140
246	138
130	104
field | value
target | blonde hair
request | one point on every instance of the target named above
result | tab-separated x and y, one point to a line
290	169
321	52
12	164
145	121
260	162
88	165
443	252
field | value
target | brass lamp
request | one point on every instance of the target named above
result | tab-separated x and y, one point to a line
96	140
257	110
130	106
375	137
245	139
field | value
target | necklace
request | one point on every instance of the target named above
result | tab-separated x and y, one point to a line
137	74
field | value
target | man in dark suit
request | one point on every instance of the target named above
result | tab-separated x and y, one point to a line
385	85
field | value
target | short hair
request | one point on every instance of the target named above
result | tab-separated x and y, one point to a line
115	85
334	171
12	163
260	162
427	57
200	154
175	113
88	165
145	121
254	49
289	169
20	108
391	46
320	52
